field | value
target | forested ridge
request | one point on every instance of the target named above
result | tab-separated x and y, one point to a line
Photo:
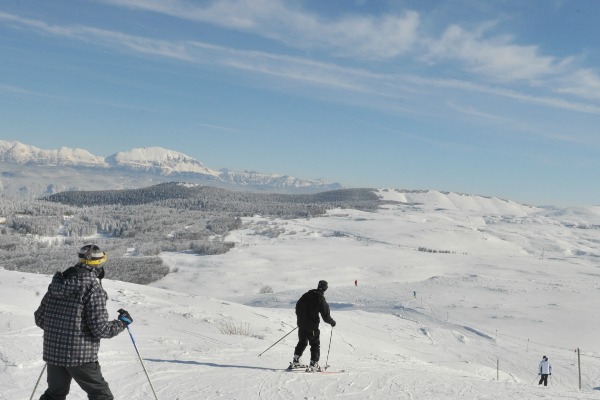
182	195
133	226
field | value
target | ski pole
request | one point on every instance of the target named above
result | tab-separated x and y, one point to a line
327	361
278	341
142	361
38	381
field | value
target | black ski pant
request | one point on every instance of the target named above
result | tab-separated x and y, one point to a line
304	338
88	377
544	380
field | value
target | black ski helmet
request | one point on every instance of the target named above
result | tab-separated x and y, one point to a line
322	285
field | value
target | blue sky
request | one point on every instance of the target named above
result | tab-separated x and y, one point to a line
497	98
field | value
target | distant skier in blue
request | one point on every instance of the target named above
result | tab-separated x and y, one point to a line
544	370
308	308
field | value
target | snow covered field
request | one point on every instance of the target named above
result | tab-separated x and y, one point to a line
497	284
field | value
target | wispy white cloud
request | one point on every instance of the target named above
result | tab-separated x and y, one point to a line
497	91
500	60
26	92
582	83
219	128
371	37
21	91
473	111
102	37
14	89
307	71
41	26
138	44
495	57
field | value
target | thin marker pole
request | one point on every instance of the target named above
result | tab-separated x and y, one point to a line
579	366
497	369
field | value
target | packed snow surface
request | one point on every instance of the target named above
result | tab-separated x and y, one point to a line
456	297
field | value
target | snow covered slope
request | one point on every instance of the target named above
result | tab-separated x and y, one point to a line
448	290
19	153
159	160
273	180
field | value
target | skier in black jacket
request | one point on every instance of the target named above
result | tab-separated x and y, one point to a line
307	312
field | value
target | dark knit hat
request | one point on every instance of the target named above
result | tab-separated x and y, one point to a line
322	285
91	255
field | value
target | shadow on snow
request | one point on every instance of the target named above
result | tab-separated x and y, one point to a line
210	364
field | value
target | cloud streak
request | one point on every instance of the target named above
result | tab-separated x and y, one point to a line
386	37
496	58
370	37
306	71
364	84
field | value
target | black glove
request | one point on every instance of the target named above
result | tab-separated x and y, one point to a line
125	317
332	323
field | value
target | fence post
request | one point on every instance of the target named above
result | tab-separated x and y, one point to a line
579	366
497	369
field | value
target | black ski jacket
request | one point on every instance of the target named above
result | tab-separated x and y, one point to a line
308	308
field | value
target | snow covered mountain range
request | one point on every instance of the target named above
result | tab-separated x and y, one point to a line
41	172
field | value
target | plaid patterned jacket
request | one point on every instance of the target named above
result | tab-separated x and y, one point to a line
74	318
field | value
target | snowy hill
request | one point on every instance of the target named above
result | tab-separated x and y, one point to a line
25	171
455	201
272	180
457	297
19	153
159	160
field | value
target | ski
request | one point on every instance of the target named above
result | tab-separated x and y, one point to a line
323	370
308	369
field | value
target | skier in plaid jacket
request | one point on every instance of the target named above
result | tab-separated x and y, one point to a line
74	318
